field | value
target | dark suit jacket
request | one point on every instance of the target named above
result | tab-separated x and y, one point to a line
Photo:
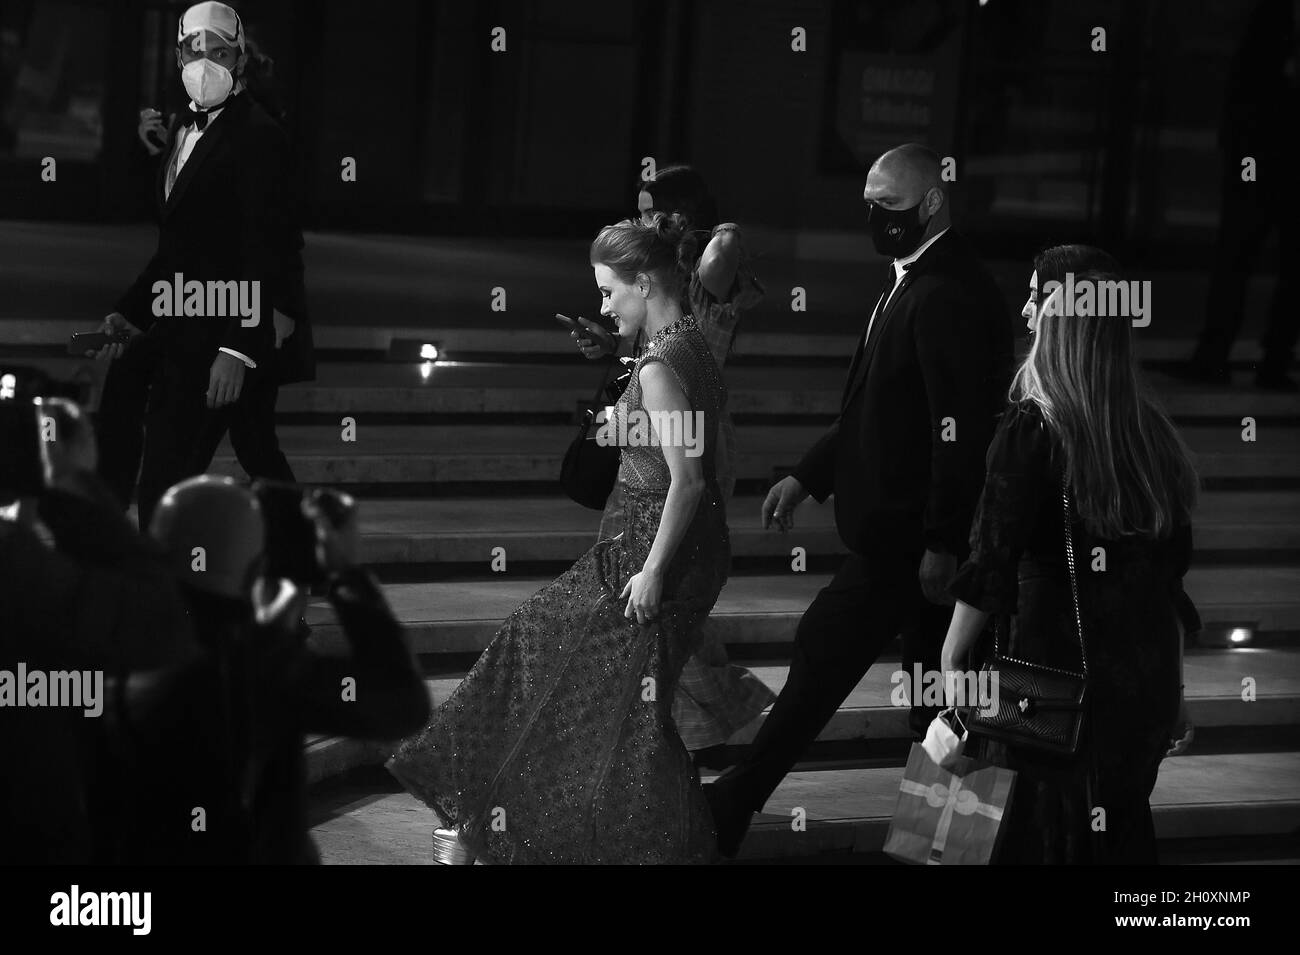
232	215
941	349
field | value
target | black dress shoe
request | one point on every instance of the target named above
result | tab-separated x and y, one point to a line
712	757
1276	381
730	821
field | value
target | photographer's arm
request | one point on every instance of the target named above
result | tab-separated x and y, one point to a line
386	698
376	692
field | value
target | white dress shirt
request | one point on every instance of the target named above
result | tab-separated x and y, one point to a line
187	139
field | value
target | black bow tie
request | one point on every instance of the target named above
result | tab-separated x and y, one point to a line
198	119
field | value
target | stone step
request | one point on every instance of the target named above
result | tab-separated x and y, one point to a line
751	391
462	616
871	712
357	388
848	811
493	337
389	281
537	333
415	454
408	531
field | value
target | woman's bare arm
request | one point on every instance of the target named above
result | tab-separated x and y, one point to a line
719	264
966	626
664	399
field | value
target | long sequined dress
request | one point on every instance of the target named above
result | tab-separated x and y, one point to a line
559	746
715	698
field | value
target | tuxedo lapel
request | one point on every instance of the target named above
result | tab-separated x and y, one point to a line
209	141
862	360
857	358
853	376
160	187
886	313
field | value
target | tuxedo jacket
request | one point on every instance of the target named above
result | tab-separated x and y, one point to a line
231	215
905	456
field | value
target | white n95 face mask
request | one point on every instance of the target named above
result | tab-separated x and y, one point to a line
207	83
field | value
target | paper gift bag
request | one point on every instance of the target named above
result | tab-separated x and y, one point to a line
949	818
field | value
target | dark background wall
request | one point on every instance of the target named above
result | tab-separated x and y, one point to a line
1051	138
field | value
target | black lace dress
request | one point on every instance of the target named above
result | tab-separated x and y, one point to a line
559	746
1130	596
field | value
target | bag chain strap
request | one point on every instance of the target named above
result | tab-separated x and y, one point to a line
1074	584
1074	594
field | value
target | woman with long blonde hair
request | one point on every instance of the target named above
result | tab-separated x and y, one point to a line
1080	415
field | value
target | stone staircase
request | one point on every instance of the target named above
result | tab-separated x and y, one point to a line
474	466
454	459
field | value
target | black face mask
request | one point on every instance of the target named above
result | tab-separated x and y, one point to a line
896	233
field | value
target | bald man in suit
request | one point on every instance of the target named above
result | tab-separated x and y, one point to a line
905	462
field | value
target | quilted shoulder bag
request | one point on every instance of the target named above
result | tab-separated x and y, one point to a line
1039	708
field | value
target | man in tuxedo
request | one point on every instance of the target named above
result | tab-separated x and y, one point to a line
226	216
905	461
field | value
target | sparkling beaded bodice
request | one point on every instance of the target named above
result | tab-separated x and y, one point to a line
684	350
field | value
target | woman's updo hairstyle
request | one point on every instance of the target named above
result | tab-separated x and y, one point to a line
665	249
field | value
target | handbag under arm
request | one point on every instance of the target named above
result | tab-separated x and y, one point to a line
1038	707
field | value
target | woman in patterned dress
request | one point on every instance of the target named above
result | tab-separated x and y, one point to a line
559	746
714	698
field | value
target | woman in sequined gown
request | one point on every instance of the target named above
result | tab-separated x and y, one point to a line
559	746
715	698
